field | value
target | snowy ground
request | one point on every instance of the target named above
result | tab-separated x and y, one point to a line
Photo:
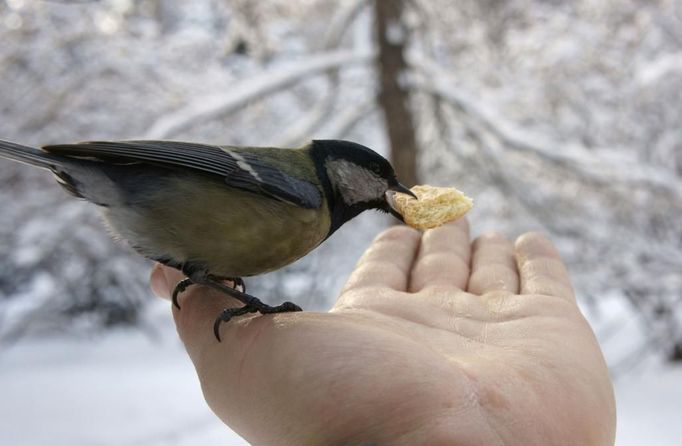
649	408
124	389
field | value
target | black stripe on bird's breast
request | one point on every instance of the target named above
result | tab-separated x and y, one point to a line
242	170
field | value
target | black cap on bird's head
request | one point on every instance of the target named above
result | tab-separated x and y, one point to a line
356	178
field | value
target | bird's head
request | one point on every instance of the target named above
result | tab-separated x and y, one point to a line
359	178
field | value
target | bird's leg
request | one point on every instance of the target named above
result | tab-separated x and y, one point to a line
250	300
179	288
186	282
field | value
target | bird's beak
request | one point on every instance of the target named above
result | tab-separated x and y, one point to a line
392	189
397	187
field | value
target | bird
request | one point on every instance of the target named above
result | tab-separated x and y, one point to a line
217	212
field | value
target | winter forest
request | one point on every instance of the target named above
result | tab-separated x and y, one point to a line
556	116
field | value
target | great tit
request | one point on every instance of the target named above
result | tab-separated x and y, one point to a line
221	212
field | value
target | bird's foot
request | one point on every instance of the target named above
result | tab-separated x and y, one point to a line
251	305
228	313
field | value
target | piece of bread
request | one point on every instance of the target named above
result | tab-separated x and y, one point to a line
436	206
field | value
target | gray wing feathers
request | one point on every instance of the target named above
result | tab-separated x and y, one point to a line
28	155
195	156
242	170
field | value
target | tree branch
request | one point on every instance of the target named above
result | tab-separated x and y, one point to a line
313	119
590	164
262	84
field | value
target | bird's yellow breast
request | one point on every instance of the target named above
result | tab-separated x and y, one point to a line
233	232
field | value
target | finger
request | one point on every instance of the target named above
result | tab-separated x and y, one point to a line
541	270
388	260
157	282
493	265
443	258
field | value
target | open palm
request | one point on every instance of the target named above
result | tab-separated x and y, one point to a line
433	341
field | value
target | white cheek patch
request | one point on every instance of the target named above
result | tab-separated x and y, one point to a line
355	184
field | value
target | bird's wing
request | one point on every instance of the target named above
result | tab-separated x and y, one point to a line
242	170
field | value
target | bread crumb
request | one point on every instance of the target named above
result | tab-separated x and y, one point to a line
435	207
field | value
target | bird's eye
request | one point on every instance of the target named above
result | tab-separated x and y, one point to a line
375	167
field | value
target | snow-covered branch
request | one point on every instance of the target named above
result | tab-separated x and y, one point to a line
653	71
315	117
264	83
340	22
597	165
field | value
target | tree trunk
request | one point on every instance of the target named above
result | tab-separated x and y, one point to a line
394	97
165	13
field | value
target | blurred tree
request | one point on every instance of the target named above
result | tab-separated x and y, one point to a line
394	95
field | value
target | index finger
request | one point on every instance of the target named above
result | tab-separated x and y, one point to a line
541	269
388	260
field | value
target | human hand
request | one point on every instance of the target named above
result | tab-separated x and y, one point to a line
433	341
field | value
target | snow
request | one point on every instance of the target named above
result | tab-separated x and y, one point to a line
122	388
395	32
654	71
649	408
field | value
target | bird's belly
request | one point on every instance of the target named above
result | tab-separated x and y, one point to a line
246	247
230	232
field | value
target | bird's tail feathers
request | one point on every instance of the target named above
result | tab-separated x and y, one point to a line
29	155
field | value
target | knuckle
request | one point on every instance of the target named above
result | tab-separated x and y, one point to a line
492	236
532	238
446	260
397	233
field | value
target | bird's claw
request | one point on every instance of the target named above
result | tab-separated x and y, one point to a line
179	288
227	314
